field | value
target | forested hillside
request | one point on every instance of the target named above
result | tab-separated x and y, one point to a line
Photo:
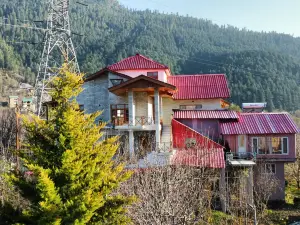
259	66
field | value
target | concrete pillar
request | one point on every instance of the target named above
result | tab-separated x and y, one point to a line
161	107
157	115
131	108
131	144
150	108
250	186
223	190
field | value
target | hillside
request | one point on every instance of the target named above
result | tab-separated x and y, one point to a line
259	66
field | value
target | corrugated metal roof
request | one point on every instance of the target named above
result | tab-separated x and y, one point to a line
136	62
206	152
200	86
205	114
261	123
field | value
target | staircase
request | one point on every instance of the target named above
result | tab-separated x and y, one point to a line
166	141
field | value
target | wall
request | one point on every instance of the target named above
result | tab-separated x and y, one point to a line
135	73
170	104
209	128
279	193
96	97
141	102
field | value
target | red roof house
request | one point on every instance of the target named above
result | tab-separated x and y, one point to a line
136	62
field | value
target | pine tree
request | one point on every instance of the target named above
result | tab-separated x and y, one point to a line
73	177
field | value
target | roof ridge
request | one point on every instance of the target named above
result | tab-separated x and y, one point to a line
194	75
134	62
264	113
147	58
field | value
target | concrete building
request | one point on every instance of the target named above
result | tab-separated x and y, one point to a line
184	119
13	101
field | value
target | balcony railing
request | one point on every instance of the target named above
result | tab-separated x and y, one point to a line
164	147
138	121
240	156
142	120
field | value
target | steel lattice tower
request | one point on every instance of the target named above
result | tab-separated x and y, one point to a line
58	48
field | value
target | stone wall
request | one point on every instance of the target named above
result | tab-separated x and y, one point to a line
96	97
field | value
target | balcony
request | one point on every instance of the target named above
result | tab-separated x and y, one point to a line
242	159
139	123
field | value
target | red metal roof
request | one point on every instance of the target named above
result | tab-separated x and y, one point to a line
136	62
206	152
261	123
200	86
205	114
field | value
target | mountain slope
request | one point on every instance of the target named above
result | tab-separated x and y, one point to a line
260	66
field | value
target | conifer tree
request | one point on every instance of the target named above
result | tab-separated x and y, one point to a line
74	177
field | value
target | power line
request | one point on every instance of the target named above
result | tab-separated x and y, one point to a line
23	26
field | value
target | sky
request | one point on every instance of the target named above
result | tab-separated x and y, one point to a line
282	16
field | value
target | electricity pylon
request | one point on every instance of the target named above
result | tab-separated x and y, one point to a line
58	49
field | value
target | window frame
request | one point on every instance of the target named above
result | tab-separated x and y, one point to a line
150	74
268	170
269	145
118	79
257	150
115	108
192	107
282	145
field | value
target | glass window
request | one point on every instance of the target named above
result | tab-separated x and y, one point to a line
119	114
242	140
285	145
153	75
276	145
259	145
279	145
270	145
255	145
190	107
115	82
270	168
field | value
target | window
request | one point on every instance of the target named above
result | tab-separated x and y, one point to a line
259	145
279	145
242	141
115	82
190	107
81	108
270	145
270	168
153	75
119	114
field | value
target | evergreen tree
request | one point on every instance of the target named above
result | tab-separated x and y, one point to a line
73	175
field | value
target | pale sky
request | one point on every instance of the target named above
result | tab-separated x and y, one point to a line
282	16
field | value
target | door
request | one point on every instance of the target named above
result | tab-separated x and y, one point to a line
242	143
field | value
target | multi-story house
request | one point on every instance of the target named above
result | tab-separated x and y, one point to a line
156	112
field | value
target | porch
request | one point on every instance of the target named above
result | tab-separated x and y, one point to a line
143	111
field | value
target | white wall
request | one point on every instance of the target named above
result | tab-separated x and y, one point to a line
170	104
162	76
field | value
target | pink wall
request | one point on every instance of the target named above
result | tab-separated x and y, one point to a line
279	193
135	73
233	144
